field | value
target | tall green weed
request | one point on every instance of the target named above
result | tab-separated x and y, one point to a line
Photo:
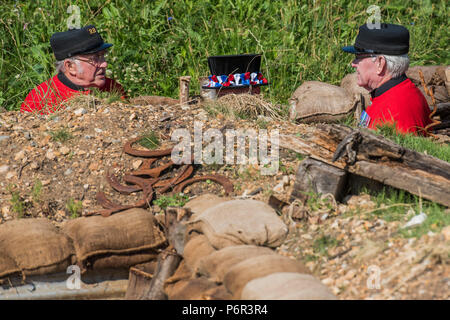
155	42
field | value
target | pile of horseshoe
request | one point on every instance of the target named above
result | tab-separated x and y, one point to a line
151	181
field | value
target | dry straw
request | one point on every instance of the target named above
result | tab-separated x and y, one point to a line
246	105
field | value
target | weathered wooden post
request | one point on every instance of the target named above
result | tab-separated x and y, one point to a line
184	92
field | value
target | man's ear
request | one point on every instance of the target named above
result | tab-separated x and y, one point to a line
381	64
70	67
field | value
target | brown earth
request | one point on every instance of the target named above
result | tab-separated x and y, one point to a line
75	169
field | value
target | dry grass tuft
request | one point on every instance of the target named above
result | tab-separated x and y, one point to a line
244	106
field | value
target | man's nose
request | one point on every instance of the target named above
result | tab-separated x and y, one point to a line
104	64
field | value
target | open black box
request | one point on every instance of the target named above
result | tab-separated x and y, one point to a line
232	64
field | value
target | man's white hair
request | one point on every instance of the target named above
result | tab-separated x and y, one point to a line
396	65
59	64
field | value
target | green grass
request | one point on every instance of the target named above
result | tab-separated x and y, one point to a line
61	135
36	191
149	140
74	208
155	42
17	204
416	143
175	200
323	244
393	205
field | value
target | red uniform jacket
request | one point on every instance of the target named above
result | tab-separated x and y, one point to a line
399	101
47	97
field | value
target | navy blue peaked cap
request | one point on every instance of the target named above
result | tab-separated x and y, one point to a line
77	41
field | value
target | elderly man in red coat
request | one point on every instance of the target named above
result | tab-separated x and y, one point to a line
81	65
381	60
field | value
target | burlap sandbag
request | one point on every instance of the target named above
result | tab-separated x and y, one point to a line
203	202
286	286
7	266
218	263
436	78
192	289
243	272
239	222
350	84
431	74
195	249
316	101
36	246
120	240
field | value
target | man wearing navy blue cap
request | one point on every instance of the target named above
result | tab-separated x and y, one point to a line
381	60
80	65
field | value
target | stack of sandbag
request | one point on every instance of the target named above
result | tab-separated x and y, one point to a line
37	247
230	245
121	240
33	247
316	101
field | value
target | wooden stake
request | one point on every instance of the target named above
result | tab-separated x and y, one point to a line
184	92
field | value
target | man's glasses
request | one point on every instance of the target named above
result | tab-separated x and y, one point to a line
95	60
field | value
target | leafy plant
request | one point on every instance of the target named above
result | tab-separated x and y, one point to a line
149	140
74	208
17	204
322	244
36	191
61	135
175	200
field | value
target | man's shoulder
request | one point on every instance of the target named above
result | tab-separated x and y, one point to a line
44	93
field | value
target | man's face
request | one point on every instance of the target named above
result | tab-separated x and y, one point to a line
91	69
366	71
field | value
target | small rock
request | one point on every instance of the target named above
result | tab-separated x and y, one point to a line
34	165
98	130
4	169
50	155
136	164
279	187
19	155
350	274
10	175
80	111
86	186
446	232
27	135
93	166
133	116
33	144
45	182
328	281
202	116
106	111
64	150
68	172
87	137
5	211
4	138
285	180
